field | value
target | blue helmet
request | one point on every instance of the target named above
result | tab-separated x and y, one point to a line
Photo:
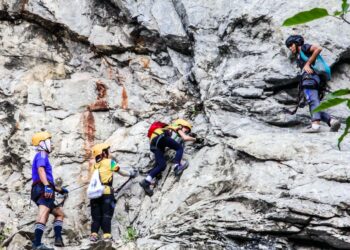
297	39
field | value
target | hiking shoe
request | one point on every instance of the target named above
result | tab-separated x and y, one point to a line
312	129
94	237
335	125
59	242
146	186
42	247
154	182
107	237
179	168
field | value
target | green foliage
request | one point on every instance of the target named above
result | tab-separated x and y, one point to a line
333	100
346	131
2	238
343	11
337	13
4	234
345	6
316	13
193	110
329	103
131	234
340	92
306	16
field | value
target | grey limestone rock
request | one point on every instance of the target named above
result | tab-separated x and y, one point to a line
102	71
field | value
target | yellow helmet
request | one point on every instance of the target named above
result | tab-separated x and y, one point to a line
183	123
40	136
98	149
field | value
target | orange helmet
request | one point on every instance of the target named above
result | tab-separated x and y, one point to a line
98	149
183	123
40	136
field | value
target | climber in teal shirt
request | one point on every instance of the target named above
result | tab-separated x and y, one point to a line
311	81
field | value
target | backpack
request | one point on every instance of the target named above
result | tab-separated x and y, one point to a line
320	66
95	189
154	126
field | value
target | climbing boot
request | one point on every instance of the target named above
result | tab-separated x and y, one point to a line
107	237
42	247
314	128
154	182
59	242
335	125
94	237
146	186
179	168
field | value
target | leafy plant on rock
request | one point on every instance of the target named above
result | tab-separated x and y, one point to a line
131	234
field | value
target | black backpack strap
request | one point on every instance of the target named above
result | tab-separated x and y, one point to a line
299	100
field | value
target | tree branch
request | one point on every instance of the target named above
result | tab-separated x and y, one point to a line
343	18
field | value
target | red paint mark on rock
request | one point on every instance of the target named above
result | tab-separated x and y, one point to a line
109	68
89	127
89	132
145	62
114	74
100	104
124	98
101	90
24	3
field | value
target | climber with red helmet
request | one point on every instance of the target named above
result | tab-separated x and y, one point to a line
170	136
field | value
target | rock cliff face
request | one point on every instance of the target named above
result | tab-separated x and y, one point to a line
102	70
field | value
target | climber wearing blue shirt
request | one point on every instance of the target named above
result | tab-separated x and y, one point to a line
43	191
41	159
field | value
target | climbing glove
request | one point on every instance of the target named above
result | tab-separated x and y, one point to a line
64	191
48	192
133	173
193	135
199	140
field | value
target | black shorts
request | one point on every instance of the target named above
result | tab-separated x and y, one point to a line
37	195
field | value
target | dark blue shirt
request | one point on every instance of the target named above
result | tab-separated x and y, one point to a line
306	49
41	159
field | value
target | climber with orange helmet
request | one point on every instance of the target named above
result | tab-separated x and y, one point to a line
172	136
43	191
102	208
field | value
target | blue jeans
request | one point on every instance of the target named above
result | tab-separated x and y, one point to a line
312	98
158	145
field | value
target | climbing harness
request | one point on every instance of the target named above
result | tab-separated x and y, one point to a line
60	199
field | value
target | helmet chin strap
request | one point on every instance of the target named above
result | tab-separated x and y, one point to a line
45	146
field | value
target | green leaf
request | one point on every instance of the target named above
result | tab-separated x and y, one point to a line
349	104
328	104
339	92
306	16
346	131
345	6
337	13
